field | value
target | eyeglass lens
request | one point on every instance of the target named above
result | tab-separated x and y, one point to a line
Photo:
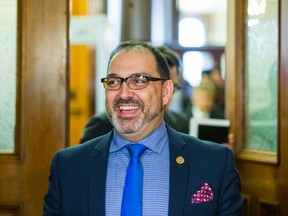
133	82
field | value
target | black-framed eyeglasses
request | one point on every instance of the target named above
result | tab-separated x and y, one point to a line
134	82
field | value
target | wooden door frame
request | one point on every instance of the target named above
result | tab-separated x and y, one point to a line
283	105
42	105
274	169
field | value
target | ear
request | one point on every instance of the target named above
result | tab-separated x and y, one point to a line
167	92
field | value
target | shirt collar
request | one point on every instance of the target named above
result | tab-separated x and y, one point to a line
154	141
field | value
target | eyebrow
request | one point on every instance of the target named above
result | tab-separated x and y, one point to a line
112	75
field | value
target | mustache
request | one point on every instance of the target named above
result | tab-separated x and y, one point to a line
128	101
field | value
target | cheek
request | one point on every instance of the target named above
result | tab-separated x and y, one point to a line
150	98
110	98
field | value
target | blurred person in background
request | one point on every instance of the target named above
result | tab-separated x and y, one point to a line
203	103
220	87
175	66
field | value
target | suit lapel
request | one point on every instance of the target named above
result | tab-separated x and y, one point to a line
97	176
179	171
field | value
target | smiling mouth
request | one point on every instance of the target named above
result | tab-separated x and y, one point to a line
128	108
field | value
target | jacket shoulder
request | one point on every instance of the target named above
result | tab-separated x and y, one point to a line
191	143
84	149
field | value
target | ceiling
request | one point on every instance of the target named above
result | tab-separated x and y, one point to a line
202	6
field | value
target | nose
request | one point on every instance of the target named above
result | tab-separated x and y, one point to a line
124	91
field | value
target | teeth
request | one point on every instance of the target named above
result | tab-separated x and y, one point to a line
128	108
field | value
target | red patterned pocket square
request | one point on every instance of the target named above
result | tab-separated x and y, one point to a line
205	194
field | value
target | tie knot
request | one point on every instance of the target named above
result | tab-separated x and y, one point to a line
136	150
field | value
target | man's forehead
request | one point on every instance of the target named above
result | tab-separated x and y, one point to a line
133	61
131	53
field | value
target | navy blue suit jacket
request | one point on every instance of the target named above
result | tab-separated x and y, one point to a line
78	176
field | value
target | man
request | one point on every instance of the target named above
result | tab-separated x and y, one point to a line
99	124
181	174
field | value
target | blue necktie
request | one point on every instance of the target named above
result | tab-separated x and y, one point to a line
132	193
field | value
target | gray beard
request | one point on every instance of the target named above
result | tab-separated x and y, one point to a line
135	125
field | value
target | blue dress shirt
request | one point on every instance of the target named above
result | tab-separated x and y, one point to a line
156	169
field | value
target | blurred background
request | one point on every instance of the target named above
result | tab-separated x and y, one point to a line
54	52
197	30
